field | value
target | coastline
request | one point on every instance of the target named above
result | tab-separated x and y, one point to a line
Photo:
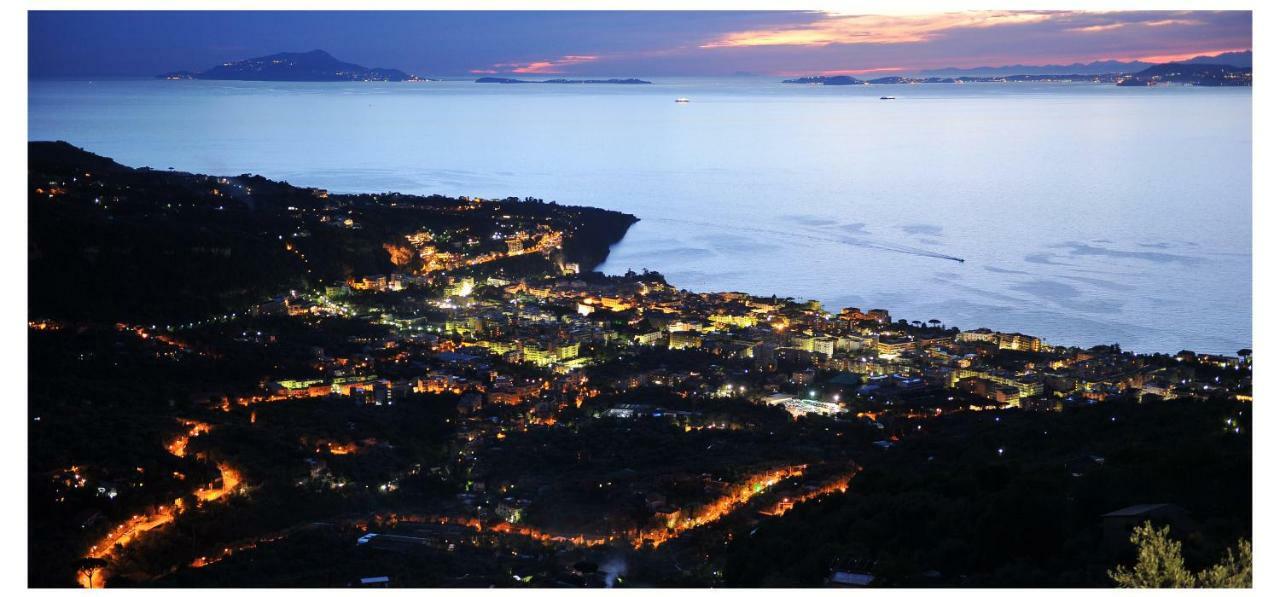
590	246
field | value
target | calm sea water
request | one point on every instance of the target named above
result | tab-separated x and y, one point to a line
1084	214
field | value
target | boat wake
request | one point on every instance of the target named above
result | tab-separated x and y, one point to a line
855	242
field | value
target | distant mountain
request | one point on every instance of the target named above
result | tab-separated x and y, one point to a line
1204	75
1091	68
1237	59
505	80
316	65
898	80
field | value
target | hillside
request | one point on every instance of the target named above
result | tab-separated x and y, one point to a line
313	66
1205	75
169	247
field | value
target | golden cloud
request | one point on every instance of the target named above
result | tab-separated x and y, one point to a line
1121	25
539	67
1180	56
1167	22
874	29
1098	28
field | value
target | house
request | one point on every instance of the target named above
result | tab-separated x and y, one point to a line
1118	525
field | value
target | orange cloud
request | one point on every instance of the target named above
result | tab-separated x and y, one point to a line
1161	58
1121	25
854	71
1167	22
873	29
1098	28
540	67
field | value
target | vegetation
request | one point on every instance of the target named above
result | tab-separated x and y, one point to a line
1014	499
1160	565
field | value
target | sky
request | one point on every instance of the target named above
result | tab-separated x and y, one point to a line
133	43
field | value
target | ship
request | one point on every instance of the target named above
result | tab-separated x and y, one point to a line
682	100
886	97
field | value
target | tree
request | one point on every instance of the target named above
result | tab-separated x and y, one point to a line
1235	571
87	567
1160	564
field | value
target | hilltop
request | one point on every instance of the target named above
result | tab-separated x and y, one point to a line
153	245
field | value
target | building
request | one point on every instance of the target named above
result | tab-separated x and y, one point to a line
983	335
1003	341
684	340
369	283
1117	525
1025	386
1020	342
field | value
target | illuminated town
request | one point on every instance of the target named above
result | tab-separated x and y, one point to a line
390	390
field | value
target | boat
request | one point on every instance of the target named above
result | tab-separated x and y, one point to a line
887	97
682	100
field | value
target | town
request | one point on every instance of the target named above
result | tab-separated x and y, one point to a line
316	389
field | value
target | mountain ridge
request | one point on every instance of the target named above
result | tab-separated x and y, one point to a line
312	66
1098	67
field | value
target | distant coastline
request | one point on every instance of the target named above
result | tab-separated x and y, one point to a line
509	81
1203	75
898	80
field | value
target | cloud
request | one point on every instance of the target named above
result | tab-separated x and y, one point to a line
1180	56
849	71
873	29
539	67
1167	22
1099	28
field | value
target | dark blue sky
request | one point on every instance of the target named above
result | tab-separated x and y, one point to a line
622	43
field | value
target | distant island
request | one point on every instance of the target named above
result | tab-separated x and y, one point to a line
313	66
505	80
1205	75
1243	59
823	80
898	80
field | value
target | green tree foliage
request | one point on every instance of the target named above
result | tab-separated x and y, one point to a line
1160	565
1159	562
943	508
1235	571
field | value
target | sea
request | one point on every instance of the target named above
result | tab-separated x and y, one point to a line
1081	213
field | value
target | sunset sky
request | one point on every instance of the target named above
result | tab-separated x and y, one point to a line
625	43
